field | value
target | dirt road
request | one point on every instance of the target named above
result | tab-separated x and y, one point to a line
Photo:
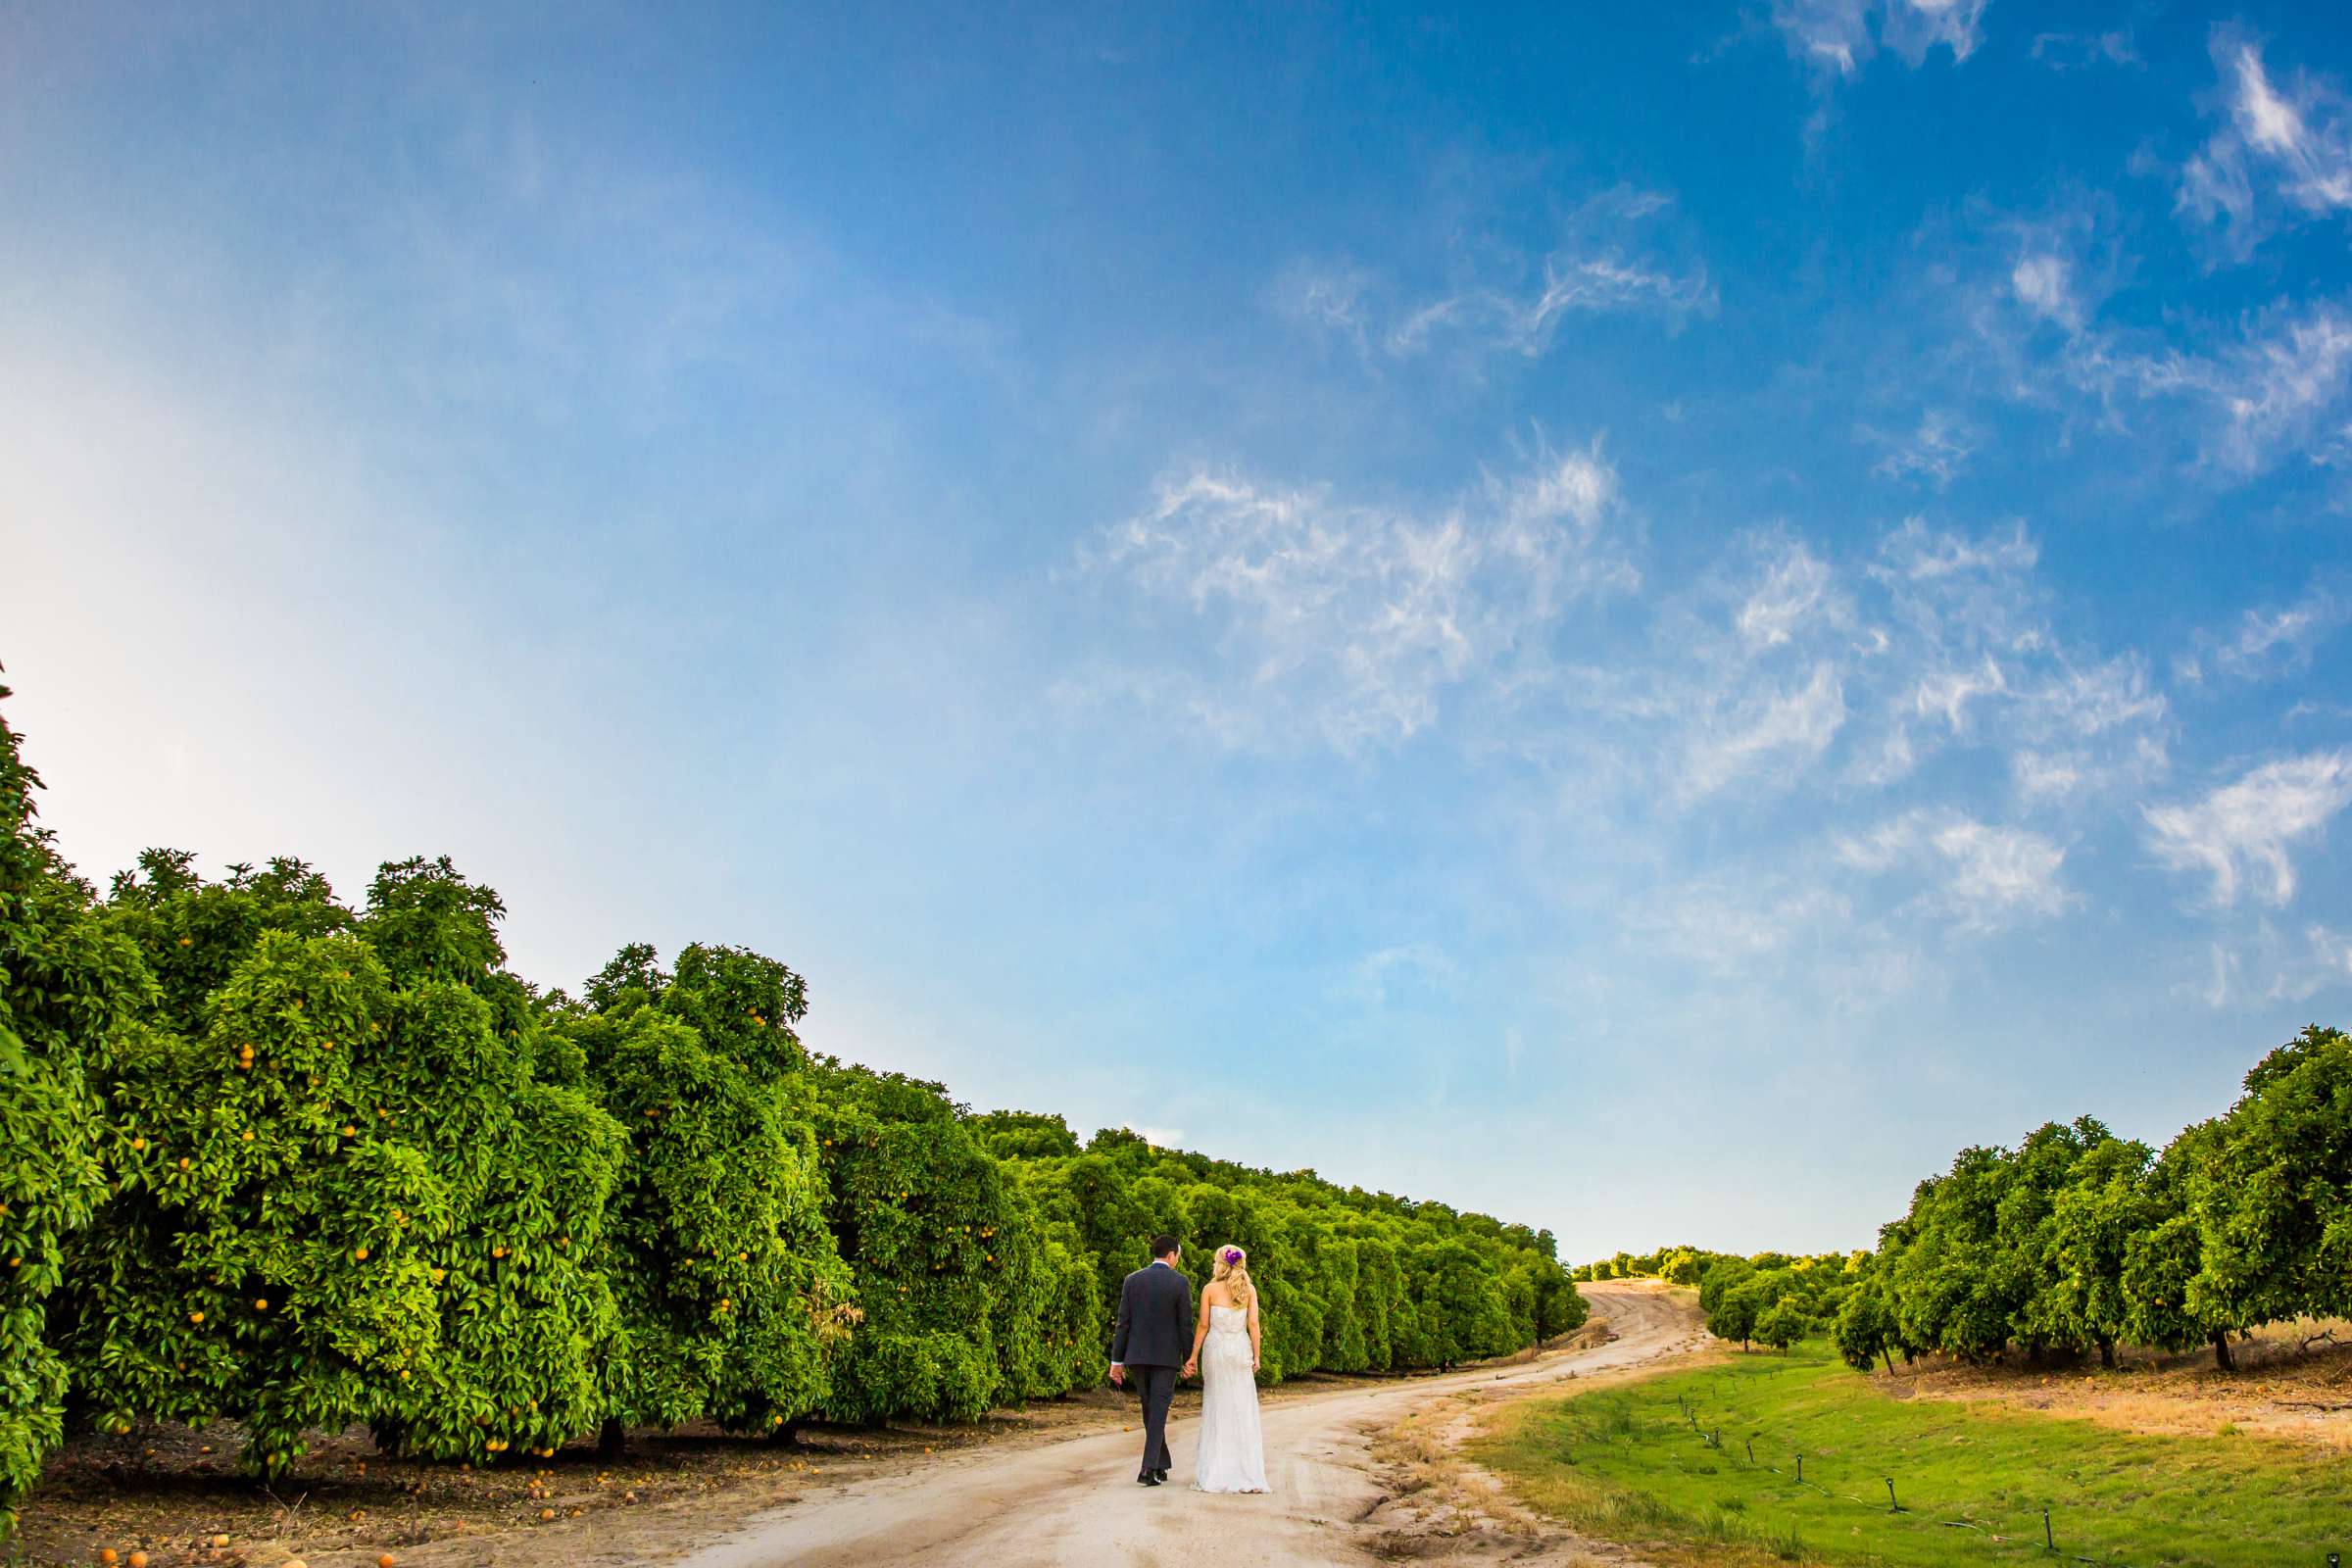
1076	1503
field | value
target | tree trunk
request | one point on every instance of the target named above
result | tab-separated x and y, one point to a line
1888	1356
2220	1353
788	1434
612	1439
2107	1352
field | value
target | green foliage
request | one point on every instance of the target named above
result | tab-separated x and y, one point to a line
2272	1192
1781	1324
1734	1316
959	1285
2076	1240
340	1193
731	1297
69	989
1352	1281
304	1165
1864	1328
2093	1220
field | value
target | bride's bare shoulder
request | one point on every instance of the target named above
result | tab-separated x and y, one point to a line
1214	1293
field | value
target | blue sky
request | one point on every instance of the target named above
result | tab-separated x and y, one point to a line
1648	623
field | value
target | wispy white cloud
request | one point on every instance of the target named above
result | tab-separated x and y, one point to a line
1937	451
1913	27
1353	623
1725	925
2279	383
1525	323
1781	727
2238	394
1787	671
1328	298
1972	659
2043	283
1918	554
1946	693
1795	590
1986	875
2267	641
2239	834
1606	262
2270	966
2287	146
1840	36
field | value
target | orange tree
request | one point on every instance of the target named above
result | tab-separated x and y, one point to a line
2271	1192
968	1300
526	1312
1063	1345
67	988
1339	1268
334	1177
733	1300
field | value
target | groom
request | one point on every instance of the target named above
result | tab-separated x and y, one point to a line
1154	1333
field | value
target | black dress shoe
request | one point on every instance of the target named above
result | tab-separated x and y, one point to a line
1147	1479
1160	1475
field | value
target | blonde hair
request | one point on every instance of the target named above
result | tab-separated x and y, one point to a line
1234	1276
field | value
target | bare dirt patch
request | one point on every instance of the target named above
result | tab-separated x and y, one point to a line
1074	1505
172	1491
2291	1382
1438	1505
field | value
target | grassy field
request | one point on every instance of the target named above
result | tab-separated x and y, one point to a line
1668	1461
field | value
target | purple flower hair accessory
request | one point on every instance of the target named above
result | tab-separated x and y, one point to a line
1232	1254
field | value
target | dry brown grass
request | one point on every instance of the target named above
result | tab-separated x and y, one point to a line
2281	1389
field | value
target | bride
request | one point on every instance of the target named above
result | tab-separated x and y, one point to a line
1232	1454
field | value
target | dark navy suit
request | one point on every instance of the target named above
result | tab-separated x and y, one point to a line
1154	1337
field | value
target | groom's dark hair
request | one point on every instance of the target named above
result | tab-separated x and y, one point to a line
1162	1244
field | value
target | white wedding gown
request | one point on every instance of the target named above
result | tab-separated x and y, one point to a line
1233	1450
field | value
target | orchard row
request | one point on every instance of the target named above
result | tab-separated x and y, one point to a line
280	1160
2077	1241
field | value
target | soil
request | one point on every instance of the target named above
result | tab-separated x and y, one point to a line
1047	1483
1339	1493
2291	1383
1364	1470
